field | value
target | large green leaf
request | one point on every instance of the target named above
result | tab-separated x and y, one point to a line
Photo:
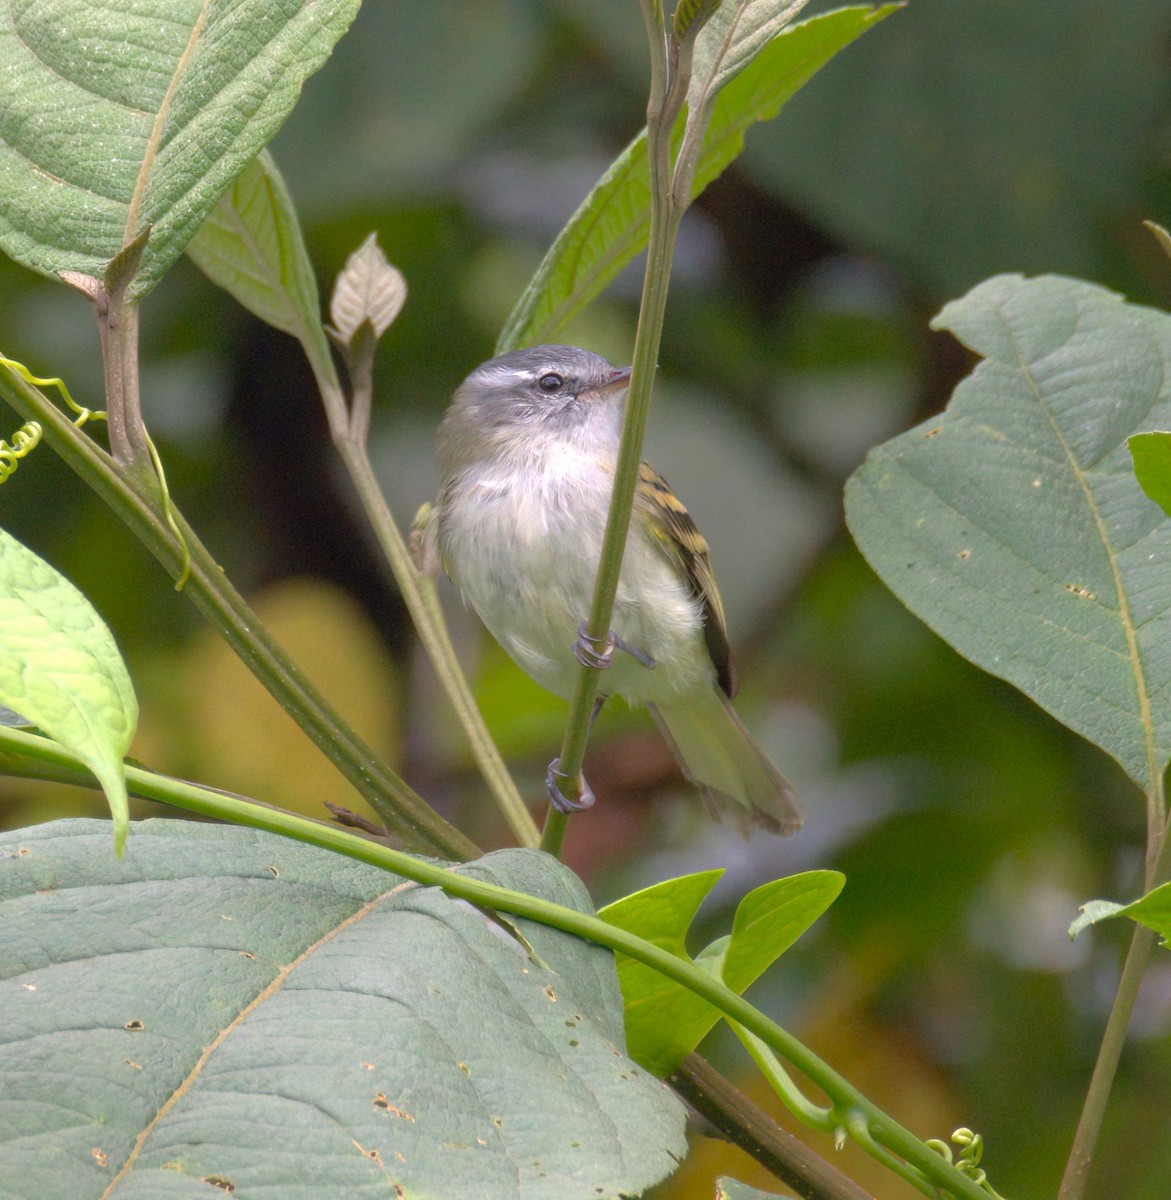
612	224
141	112
61	671
664	1020
224	1011
1013	524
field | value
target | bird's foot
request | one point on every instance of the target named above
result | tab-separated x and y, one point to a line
598	653
560	801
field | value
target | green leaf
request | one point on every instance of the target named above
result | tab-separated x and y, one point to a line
61	671
665	1021
139	113
737	31
768	921
1151	453
690	12
612	223
251	246
256	1016
661	1016
1092	912
1152	910
1013	524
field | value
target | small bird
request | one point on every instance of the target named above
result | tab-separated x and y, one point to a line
528	450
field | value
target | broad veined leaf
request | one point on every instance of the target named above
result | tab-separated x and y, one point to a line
138	113
1013	524
1152	910
664	1020
61	671
224	1009
612	223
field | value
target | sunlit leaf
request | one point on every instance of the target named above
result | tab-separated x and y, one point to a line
1013	523
139	113
664	1020
61	671
1151	453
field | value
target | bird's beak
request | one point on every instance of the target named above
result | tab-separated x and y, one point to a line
611	389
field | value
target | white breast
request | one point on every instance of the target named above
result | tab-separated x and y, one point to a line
525	555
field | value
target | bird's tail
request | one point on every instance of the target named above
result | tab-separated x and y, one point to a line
738	780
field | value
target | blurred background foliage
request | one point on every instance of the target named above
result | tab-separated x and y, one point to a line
958	139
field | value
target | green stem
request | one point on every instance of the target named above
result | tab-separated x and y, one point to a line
851	1110
422	602
349	427
668	92
1142	942
134	498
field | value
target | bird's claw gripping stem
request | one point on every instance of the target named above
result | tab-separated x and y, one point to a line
598	653
560	801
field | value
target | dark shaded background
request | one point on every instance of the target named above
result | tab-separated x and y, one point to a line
959	139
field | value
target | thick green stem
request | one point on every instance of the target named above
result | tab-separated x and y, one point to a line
668	92
423	604
349	427
134	499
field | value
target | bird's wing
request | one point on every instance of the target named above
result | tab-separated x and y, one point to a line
675	533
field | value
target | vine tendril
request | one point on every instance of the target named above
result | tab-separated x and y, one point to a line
24	440
29	435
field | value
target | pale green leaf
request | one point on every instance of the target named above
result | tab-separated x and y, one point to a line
1092	912
228	1012
664	1020
769	920
139	113
661	1014
1013	523
1152	910
1151	453
612	223
61	671
251	245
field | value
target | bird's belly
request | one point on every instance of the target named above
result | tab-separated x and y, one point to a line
526	562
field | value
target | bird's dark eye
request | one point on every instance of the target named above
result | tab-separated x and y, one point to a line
550	383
